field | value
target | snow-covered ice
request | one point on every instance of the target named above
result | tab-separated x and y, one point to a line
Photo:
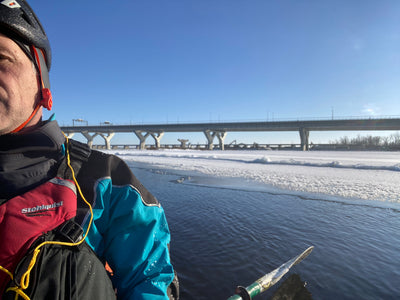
345	174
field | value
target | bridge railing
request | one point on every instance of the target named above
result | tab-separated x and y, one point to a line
341	118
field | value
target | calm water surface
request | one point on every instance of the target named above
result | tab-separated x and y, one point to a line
226	237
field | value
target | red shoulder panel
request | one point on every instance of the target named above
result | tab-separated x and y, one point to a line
26	217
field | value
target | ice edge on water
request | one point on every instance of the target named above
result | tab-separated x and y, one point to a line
333	164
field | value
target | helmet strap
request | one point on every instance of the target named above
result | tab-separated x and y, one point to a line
20	127
47	99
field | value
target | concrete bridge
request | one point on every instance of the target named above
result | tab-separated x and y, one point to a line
219	130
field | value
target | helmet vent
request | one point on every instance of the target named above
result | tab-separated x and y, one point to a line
26	18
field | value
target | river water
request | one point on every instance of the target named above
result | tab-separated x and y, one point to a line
224	237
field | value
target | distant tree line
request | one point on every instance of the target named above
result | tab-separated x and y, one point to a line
390	142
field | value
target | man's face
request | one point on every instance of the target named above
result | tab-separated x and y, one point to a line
19	86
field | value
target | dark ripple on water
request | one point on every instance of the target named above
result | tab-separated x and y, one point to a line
225	237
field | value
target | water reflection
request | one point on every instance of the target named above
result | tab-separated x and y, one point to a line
293	288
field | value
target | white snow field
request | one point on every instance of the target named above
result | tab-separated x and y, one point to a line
360	175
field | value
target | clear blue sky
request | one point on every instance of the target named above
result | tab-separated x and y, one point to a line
158	61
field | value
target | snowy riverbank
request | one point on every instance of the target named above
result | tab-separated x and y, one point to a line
352	175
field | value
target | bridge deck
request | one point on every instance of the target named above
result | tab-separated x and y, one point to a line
319	125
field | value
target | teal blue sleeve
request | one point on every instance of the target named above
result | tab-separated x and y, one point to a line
133	237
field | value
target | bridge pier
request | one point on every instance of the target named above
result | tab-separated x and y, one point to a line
183	143
107	139
89	137
210	135
304	136
221	138
157	138
142	136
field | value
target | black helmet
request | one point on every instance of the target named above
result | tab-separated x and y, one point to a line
19	22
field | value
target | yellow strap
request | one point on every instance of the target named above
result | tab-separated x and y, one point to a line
18	292
7	272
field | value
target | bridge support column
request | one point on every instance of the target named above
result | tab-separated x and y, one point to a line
183	143
221	138
107	139
142	138
89	137
210	138
304	135
157	138
210	135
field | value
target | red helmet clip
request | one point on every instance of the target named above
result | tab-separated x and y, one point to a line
47	99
